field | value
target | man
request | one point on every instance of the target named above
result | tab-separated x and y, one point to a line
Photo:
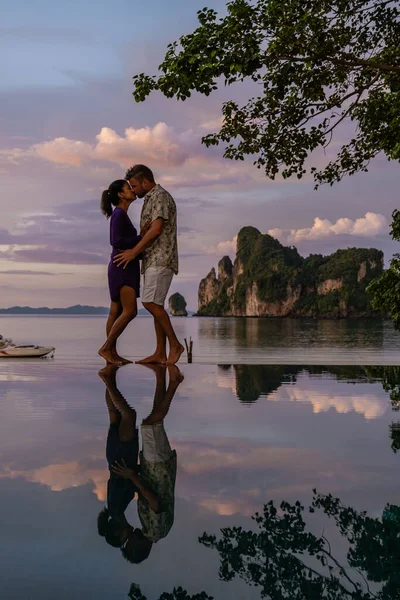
160	258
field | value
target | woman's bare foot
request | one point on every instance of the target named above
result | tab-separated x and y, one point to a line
175	354
154	359
107	373
120	359
109	357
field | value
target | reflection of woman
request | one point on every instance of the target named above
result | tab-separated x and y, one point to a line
122	446
124	284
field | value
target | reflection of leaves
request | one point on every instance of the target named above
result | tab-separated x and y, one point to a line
395	436
270	558
390	379
177	594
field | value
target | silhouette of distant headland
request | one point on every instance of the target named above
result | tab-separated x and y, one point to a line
78	309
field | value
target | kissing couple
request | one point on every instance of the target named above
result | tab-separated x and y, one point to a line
156	247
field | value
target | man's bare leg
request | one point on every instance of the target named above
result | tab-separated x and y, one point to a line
163	396
175	347
160	355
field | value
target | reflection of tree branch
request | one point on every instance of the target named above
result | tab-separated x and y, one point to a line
269	559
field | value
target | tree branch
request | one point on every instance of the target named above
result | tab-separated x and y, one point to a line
351	62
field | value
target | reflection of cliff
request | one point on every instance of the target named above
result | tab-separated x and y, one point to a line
268	279
254	381
295	333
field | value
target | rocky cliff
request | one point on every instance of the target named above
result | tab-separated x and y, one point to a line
177	305
268	279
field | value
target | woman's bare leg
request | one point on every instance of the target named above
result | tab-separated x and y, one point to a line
115	312
129	312
126	414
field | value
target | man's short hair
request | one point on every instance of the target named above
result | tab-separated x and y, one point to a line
140	172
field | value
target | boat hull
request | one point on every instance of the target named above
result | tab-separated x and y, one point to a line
26	352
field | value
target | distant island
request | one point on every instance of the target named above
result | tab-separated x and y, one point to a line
268	279
78	309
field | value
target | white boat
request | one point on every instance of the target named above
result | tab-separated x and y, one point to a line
10	350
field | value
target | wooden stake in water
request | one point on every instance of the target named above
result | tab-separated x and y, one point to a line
189	349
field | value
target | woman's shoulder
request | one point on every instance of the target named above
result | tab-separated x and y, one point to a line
119	215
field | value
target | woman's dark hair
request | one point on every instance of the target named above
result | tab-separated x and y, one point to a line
110	198
107	527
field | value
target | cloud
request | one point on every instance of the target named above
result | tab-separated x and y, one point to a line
223	248
371	225
159	145
64	151
62	476
181	157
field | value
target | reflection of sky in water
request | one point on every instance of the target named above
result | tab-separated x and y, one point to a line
296	429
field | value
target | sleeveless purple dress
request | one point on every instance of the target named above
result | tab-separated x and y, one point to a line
123	236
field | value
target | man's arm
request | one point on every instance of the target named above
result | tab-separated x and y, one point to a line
124	258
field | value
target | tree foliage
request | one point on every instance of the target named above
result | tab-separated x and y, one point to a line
178	593
385	290
313	65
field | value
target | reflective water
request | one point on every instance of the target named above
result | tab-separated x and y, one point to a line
234	341
244	436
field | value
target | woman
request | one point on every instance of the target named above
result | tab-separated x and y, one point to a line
124	284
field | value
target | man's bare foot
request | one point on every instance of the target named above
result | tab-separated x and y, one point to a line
154	359
109	357
175	375
156	367
175	354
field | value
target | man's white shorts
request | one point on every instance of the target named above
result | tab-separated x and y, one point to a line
156	283
155	444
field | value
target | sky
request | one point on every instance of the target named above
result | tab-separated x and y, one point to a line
69	126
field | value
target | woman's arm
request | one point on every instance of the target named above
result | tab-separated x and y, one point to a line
123	471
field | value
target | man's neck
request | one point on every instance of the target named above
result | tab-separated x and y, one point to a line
153	185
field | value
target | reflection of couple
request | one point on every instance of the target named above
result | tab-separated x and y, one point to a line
156	246
153	479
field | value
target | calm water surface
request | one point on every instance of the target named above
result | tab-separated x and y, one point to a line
251	341
245	436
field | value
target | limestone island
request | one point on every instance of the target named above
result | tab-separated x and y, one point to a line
268	279
177	305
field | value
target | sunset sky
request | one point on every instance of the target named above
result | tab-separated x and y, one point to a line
69	126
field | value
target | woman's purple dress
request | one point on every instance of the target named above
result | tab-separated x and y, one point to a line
123	236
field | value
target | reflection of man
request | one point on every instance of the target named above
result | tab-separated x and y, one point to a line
157	473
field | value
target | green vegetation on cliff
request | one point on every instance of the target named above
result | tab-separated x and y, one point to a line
177	305
280	282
